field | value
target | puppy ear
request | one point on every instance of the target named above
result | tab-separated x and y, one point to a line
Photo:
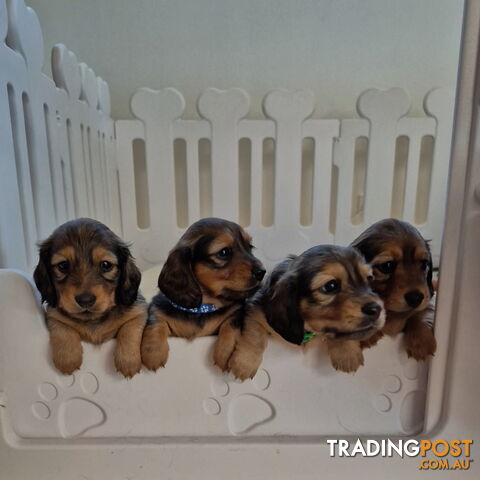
281	309
366	245
42	276
430	270
177	281
129	280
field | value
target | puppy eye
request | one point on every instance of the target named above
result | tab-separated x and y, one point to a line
387	267
331	287
63	266
106	266
224	253
424	265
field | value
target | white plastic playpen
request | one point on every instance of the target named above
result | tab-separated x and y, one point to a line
292	180
68	158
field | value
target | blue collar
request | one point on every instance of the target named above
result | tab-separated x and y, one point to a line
203	308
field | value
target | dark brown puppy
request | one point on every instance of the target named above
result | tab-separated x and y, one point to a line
402	266
325	291
89	281
203	286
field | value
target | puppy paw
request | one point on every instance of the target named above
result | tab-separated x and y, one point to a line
372	341
420	347
244	365
222	355
154	356
127	362
67	361
346	361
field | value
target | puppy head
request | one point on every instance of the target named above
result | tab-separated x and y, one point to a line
214	260
85	270
402	264
325	290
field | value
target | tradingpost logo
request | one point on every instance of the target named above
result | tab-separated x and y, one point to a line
435	455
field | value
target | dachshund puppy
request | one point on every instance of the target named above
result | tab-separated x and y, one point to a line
402	266
325	291
203	286
89	282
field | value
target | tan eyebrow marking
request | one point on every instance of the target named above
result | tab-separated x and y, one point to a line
99	254
222	241
66	253
421	254
389	252
330	271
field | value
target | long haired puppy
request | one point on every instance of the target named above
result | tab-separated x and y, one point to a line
89	282
203	286
402	267
326	292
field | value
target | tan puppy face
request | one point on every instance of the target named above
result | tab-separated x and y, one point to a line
213	260
86	282
85	270
343	304
401	262
225	264
325	290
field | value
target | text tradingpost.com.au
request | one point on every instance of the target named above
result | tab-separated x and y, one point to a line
448	454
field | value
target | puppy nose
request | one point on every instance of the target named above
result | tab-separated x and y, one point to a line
85	300
372	309
258	273
414	298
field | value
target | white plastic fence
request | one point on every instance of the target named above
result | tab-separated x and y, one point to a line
59	157
384	120
56	140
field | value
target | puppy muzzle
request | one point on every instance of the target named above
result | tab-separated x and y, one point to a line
369	325
237	295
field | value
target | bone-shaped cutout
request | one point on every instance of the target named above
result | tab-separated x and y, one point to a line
25	34
283	104
392	103
3	20
167	103
65	70
89	85
219	105
439	102
103	96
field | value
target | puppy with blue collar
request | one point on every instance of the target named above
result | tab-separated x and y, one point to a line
203	286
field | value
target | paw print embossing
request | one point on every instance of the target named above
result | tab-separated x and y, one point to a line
68	402
246	410
391	395
398	394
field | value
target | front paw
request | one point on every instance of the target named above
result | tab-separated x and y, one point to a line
372	341
222	354
67	361
346	361
128	363
154	355
243	365
420	347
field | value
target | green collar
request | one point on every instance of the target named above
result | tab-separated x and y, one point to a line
307	336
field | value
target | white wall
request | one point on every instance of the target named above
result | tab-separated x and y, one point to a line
337	48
